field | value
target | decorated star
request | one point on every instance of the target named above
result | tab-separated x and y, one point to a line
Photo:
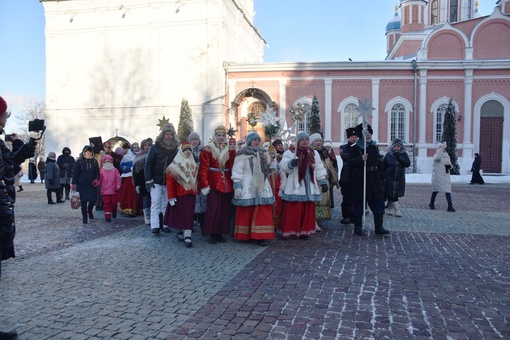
162	122
365	108
231	132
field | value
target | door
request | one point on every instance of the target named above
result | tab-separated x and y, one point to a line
491	140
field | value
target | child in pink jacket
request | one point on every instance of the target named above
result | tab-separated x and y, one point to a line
110	184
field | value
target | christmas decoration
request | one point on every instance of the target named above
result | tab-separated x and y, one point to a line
252	120
231	132
162	122
270	123
315	117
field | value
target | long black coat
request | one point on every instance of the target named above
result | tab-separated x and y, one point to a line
394	165
86	170
345	177
8	167
375	174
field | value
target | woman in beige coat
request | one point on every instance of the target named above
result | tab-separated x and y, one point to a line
441	176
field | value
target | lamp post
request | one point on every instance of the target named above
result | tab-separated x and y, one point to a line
415	70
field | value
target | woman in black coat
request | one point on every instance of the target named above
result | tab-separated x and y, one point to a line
475	169
395	163
85	179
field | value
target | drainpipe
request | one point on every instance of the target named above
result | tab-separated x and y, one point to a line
415	70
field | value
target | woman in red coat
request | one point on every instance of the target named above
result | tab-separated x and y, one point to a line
214	180
181	187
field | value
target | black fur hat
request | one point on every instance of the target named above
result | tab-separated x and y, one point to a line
359	130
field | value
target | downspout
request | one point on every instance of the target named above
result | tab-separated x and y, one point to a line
415	71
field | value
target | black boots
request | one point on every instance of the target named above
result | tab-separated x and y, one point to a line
450	208
20	188
431	205
378	222
84	215
358	228
91	214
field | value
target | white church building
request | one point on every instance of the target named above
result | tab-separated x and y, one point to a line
117	69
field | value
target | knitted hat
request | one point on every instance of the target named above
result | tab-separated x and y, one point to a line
193	135
359	130
220	129
397	141
277	142
301	135
3	106
251	136
350	132
107	158
186	145
314	137
52	155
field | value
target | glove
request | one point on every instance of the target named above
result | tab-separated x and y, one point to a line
172	201
149	185
137	188
73	187
324	187
294	162
24	152
95	183
51	181
238	193
205	191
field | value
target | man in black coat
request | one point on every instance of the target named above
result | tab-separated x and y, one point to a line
369	161
345	177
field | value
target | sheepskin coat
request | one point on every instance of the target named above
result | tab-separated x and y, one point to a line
441	181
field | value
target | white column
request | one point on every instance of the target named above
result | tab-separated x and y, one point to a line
422	113
327	108
468	98
375	104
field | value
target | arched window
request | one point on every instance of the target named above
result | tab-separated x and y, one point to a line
434	13
453	10
351	116
304	125
439	122
397	122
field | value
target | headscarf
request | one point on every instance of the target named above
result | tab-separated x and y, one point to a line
257	158
184	170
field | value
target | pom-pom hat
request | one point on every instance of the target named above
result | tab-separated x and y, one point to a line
186	145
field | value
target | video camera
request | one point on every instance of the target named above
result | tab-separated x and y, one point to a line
36	125
8	138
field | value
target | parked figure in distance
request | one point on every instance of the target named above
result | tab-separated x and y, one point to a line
52	178
40	167
395	163
476	178
32	171
441	181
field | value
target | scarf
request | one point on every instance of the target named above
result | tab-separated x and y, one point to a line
219	152
306	160
184	170
260	169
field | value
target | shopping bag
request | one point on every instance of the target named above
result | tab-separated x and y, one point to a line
75	200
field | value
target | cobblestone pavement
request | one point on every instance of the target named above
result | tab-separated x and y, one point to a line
439	275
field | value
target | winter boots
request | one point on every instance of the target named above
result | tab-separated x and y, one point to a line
389	208
84	215
431	205
378	222
396	205
450	207
358	228
187	238
147	216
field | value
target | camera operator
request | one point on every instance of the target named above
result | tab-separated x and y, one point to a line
9	166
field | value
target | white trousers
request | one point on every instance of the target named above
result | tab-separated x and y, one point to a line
159	201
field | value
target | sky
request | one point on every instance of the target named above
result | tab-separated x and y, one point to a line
295	30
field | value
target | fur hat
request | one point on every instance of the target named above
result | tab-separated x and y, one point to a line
107	158
359	130
3	106
251	136
220	129
193	135
186	145
328	143
167	128
86	148
66	149
350	132
301	135
314	137
277	142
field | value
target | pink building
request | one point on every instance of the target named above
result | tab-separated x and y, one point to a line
437	50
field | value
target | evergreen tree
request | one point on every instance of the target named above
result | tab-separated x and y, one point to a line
185	121
315	117
450	136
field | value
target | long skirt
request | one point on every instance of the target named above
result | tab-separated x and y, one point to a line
129	200
323	208
254	223
217	214
182	214
298	219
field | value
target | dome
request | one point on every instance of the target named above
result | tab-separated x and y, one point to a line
394	23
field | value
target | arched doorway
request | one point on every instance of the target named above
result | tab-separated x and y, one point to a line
491	136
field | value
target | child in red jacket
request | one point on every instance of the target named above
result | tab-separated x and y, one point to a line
110	185
181	186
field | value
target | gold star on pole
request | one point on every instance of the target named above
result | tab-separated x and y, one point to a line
162	122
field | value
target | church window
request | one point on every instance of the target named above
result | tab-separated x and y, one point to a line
351	116
453	10
439	122
397	122
434	17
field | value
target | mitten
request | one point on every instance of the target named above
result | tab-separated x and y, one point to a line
149	185
294	162
324	187
95	183
172	201
238	193
205	191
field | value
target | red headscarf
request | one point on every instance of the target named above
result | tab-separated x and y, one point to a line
306	159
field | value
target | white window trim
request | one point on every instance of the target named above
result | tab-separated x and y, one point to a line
409	109
433	110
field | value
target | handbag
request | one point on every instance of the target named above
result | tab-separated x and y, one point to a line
75	200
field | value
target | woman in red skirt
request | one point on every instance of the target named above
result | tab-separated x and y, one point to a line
304	186
253	195
181	186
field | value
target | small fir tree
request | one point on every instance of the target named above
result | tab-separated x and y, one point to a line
185	121
450	136
315	117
